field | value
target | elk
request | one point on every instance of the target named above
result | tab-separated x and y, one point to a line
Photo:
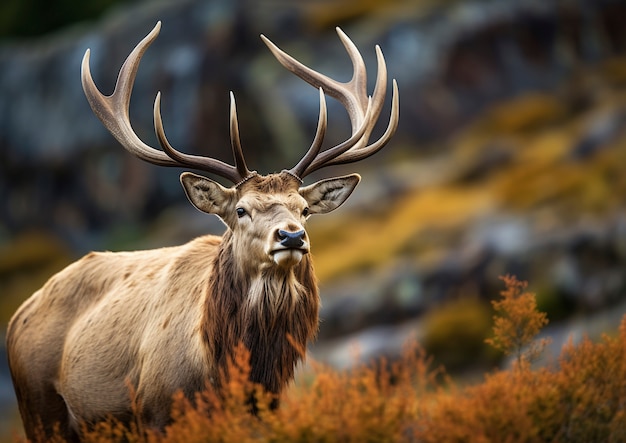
167	320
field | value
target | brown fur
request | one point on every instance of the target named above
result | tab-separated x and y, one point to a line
168	319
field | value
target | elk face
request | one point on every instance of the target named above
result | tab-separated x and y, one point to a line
267	214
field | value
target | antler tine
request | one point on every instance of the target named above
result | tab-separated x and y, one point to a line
360	152
328	155
192	161
105	106
235	141
320	132
362	110
354	155
313	155
113	112
356	89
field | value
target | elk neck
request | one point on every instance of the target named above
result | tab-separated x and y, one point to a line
273	312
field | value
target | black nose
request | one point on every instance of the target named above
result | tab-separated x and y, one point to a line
290	239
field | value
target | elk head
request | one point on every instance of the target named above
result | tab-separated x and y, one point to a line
266	214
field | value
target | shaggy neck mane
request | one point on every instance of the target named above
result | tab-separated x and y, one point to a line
274	313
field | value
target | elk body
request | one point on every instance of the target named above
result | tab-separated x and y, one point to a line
169	319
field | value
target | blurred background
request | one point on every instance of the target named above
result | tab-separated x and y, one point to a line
509	157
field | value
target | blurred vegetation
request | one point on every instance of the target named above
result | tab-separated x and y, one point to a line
30	18
582	397
455	333
26	263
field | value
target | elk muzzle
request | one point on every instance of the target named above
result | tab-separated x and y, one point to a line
289	247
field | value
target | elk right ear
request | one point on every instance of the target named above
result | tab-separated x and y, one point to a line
205	194
327	195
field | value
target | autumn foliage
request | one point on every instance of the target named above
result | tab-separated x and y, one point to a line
517	322
581	397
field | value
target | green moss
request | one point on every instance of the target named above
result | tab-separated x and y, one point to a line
26	263
455	333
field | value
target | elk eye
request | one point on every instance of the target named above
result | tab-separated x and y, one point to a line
241	212
305	212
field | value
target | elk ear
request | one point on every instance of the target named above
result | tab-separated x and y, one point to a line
205	194
327	195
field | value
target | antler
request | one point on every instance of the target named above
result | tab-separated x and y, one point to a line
113	112
363	110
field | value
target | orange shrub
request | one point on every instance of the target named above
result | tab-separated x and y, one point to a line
517	322
582	399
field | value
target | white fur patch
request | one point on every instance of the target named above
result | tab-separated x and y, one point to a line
288	257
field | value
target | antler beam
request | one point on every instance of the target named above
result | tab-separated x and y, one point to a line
113	112
362	110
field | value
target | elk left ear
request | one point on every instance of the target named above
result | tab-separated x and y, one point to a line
205	194
327	195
